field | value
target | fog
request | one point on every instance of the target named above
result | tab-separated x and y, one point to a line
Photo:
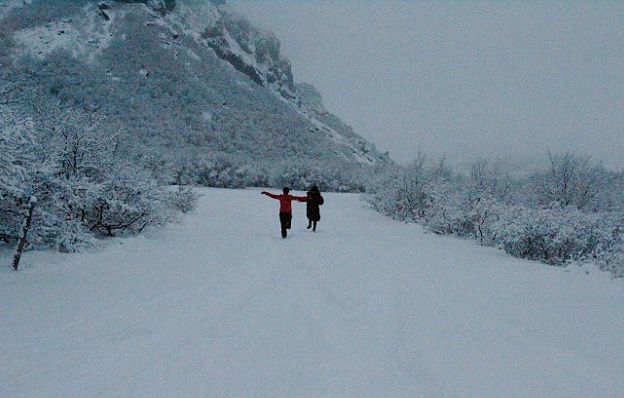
462	79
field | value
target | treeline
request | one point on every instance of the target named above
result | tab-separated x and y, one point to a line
83	184
571	211
231	171
89	183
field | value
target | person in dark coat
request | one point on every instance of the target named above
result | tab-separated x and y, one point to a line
313	211
285	213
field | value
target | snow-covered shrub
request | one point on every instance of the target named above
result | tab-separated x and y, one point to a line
83	183
71	235
341	178
16	160
480	199
442	213
296	175
56	221
454	211
225	171
183	199
553	236
129	200
420	193
527	216
613	259
410	197
571	180
401	193
609	254
301	174
379	191
483	214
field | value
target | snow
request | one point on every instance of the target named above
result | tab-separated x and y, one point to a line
6	6
206	116
87	36
195	16
340	139
221	306
332	134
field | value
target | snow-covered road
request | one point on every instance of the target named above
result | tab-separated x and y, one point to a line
221	306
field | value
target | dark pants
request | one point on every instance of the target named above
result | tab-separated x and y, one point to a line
285	220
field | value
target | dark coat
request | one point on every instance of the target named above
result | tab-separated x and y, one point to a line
312	209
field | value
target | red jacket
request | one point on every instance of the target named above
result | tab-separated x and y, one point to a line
286	201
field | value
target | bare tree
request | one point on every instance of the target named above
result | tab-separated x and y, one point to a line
23	239
572	180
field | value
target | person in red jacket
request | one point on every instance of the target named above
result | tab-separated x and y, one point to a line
285	213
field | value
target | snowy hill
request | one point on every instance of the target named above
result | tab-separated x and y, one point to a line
189	80
221	306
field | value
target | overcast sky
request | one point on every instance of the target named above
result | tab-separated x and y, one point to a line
462	78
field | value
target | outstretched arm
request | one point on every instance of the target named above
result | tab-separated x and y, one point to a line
300	198
270	195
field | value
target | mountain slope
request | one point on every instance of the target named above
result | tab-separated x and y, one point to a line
340	312
189	80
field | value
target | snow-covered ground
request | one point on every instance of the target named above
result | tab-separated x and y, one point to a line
221	306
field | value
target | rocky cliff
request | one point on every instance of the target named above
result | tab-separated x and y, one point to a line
191	79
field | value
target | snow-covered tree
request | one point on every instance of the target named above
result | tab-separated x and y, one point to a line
572	212
571	180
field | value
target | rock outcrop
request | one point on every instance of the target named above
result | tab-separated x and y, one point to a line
191	79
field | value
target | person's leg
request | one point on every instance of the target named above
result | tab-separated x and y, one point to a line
288	220
314	226
283	223
309	224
